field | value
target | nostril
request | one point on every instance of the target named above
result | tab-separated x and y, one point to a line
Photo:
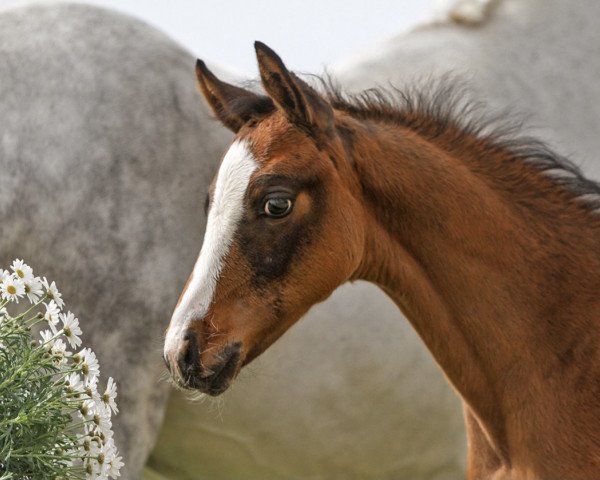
189	356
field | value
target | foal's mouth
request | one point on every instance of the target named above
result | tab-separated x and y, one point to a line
213	380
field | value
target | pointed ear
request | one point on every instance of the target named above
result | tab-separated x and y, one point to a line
232	105
302	105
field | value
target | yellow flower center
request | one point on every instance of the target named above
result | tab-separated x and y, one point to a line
11	289
20	273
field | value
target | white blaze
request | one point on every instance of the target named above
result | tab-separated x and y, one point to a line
225	213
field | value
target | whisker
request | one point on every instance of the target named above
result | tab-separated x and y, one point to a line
216	334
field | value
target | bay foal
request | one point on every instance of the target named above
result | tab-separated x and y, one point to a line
490	247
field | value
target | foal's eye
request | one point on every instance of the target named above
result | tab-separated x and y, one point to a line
277	207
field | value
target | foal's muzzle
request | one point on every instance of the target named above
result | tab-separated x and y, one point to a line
191	373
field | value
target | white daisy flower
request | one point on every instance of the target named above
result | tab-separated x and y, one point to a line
109	396
90	448
74	383
22	270
71	329
103	423
109	448
52	292
102	465
115	465
52	314
33	289
108	435
106	459
90	392
55	347
98	465
92	469
12	288
105	433
89	366
47	340
114	460
95	451
89	445
59	352
87	409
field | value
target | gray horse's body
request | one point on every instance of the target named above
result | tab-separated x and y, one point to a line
106	154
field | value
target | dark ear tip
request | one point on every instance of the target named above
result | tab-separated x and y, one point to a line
201	67
258	46
264	50
203	73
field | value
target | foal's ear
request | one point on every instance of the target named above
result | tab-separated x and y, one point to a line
232	105
302	105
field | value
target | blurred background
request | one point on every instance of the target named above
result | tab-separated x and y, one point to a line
222	32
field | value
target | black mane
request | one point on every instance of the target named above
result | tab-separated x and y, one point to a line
442	108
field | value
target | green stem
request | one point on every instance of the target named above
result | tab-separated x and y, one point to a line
20	317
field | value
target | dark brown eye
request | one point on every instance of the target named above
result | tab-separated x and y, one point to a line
278	207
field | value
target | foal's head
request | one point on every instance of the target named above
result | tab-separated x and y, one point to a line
284	226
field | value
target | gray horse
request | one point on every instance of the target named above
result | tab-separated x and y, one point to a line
106	154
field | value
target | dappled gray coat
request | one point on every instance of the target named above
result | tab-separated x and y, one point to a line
106	153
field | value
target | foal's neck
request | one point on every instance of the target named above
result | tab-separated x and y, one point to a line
493	288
